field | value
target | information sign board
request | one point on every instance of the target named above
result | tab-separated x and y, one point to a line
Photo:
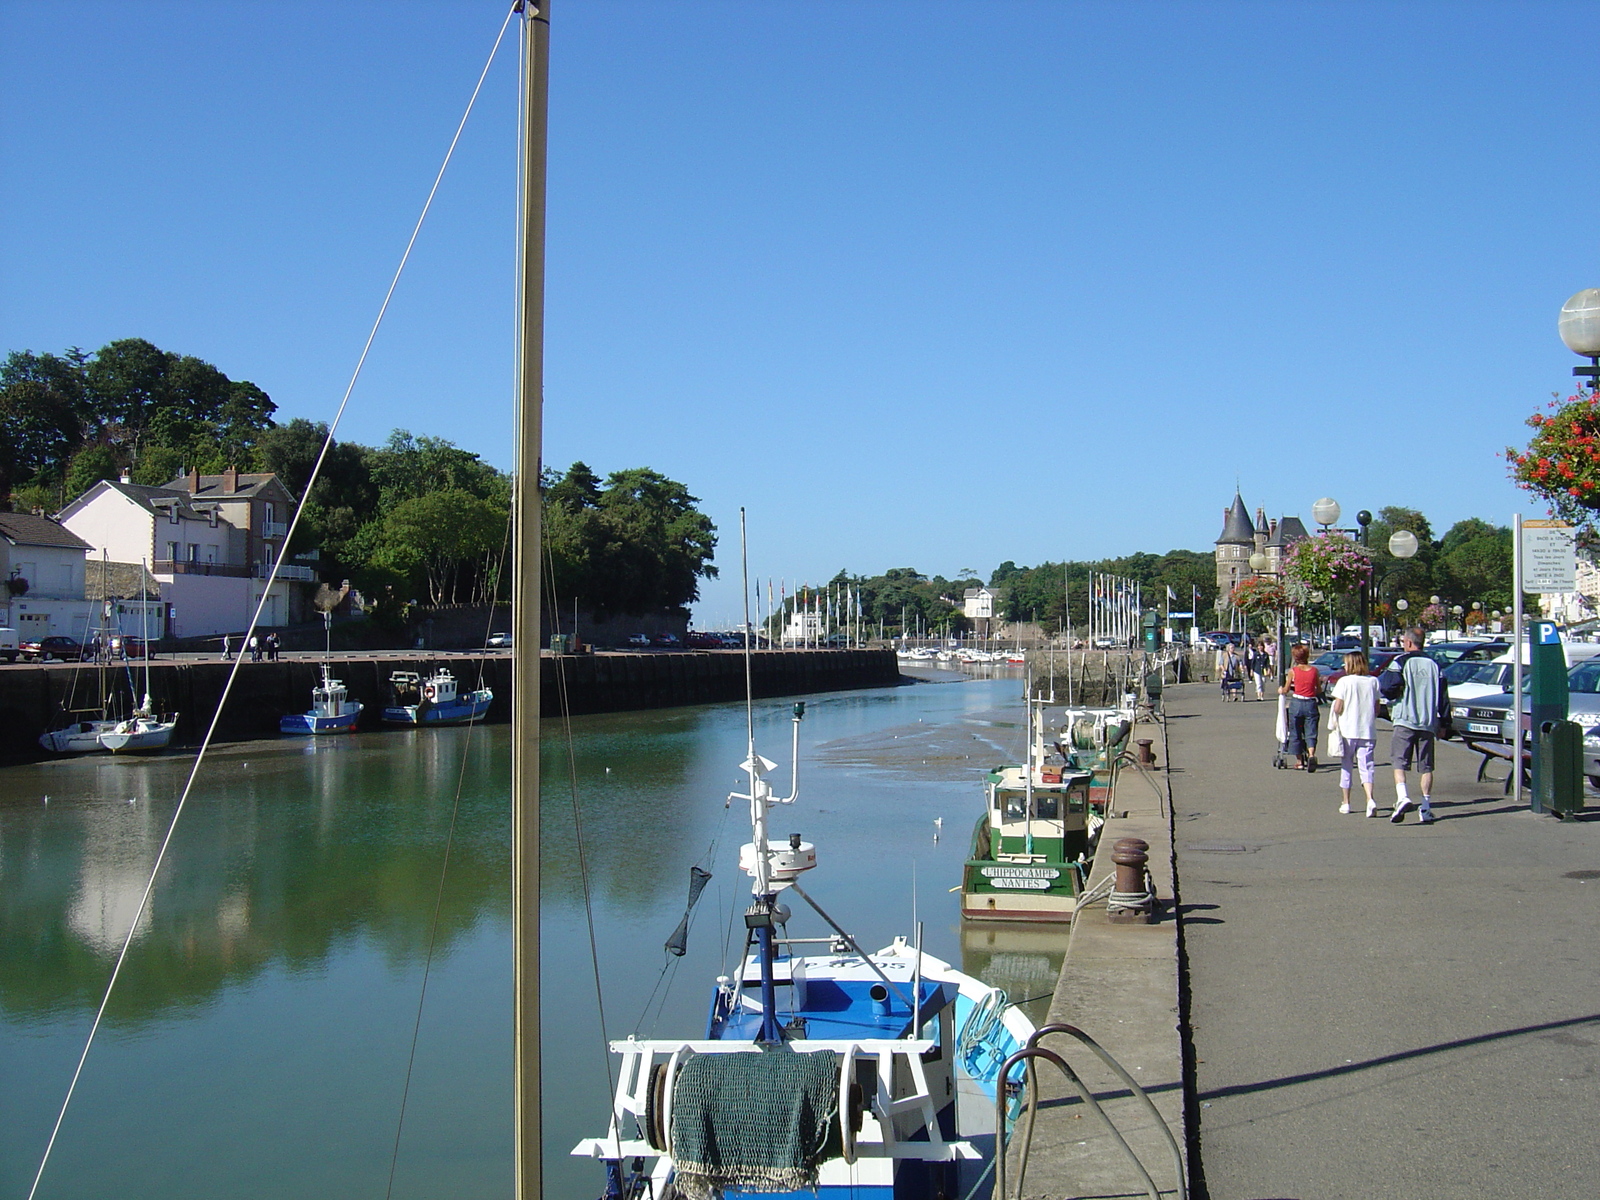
1549	558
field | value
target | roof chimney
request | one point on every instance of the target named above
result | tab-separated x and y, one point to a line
230	479
194	481
124	477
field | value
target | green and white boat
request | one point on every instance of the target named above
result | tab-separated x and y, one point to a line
1033	845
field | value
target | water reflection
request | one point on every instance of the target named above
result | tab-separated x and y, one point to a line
266	1010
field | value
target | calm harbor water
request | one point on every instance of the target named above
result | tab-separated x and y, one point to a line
257	1045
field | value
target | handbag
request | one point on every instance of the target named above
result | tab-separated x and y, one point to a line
1335	738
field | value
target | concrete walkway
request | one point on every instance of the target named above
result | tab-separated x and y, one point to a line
1377	1010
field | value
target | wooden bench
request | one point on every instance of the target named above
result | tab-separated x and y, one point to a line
1496	752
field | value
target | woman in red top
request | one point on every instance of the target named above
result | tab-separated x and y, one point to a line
1302	687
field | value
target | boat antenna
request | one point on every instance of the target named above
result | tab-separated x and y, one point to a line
749	691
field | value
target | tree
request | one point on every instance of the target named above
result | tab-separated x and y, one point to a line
41	411
436	533
636	545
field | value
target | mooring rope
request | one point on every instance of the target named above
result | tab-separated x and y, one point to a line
255	620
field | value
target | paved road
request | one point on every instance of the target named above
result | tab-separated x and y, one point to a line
1378	1010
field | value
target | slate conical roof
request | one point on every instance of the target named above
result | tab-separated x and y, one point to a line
1290	530
1236	527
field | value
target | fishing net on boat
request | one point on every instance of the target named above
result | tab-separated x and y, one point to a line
758	1122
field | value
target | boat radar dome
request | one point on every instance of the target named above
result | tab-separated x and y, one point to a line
785	860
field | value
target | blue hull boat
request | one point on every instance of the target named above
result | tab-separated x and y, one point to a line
825	1071
331	711
435	700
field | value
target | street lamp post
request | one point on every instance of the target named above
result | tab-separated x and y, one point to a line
1580	330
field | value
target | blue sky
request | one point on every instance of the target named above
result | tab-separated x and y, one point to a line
919	285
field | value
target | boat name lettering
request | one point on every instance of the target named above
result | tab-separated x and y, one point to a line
1020	873
1026	885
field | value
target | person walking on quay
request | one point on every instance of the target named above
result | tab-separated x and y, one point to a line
1259	661
227	647
1355	711
272	647
1232	672
1301	687
255	648
1415	713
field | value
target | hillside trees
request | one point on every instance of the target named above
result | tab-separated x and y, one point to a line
80	418
633	544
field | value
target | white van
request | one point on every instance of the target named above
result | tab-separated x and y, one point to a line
8	645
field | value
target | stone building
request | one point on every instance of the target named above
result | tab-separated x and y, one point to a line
1241	537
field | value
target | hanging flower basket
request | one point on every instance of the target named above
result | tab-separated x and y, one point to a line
1329	562
1263	594
1562	462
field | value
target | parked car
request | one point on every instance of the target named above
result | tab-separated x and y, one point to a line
1103	642
1446	653
1331	664
126	645
1219	638
1488	718
56	646
666	641
499	641
10	647
643	639
699	640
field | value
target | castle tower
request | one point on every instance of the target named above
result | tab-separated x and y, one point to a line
1235	545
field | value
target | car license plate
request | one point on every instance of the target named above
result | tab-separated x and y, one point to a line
1481	727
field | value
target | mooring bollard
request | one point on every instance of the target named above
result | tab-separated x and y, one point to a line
1132	902
1147	756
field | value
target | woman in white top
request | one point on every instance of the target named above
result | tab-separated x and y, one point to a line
1355	707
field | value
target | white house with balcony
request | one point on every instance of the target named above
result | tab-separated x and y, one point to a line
41	566
209	540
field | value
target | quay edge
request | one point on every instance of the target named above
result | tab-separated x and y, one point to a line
32	697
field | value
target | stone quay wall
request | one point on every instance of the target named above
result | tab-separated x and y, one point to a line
35	698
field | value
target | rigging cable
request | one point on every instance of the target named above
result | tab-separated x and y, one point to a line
577	820
255	620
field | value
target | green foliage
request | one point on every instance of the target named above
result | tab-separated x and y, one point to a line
88	467
151	411
1057	594
636	544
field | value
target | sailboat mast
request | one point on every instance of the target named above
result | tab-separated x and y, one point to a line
525	598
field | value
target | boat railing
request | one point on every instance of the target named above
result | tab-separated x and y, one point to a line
900	1121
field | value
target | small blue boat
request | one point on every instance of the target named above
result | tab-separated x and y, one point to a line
332	710
435	700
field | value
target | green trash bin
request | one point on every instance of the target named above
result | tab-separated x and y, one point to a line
1561	767
560	643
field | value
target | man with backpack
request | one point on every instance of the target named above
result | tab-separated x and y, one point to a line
1417	694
